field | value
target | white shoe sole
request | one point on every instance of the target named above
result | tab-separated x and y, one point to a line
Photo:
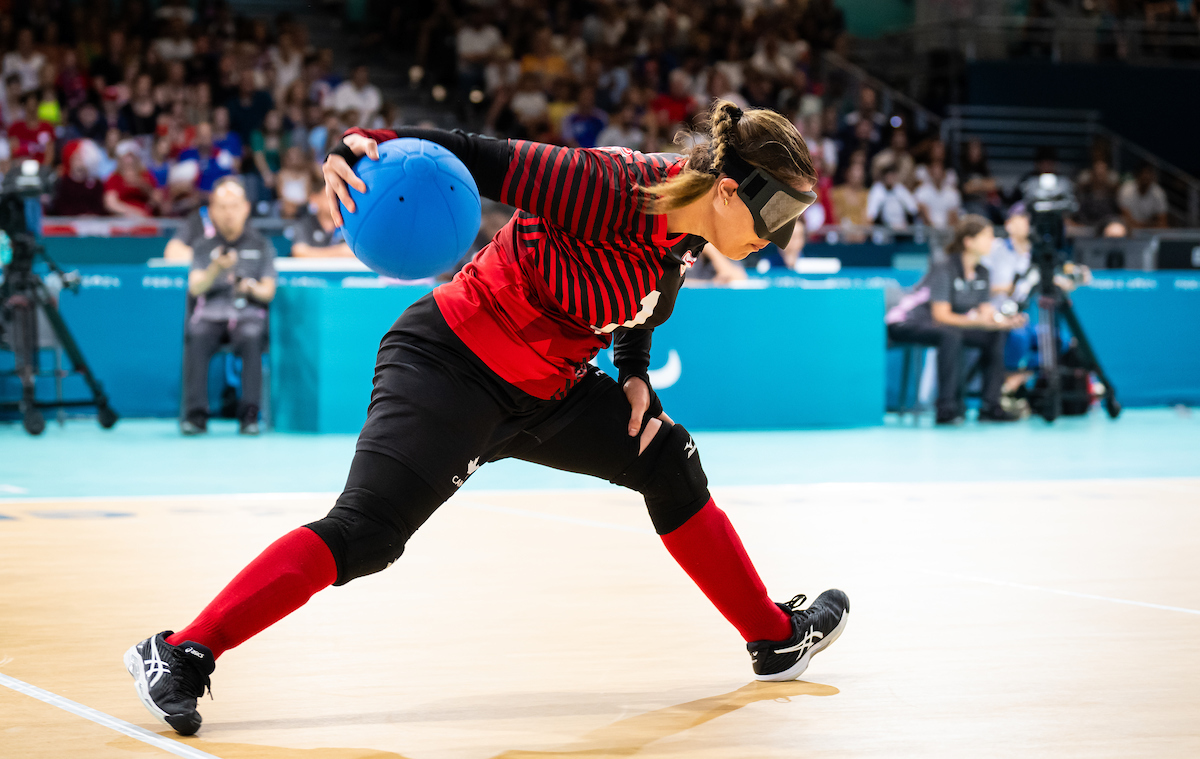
797	669
133	663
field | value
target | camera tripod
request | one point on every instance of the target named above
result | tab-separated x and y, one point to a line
1049	391
23	295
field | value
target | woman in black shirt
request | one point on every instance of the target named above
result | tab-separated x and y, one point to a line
948	309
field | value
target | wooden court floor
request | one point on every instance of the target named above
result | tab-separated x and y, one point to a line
988	620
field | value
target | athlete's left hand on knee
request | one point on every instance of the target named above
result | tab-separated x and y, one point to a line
638	394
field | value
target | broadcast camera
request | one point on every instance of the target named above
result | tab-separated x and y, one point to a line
1063	381
23	294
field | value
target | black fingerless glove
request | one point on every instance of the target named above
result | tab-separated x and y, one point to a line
344	151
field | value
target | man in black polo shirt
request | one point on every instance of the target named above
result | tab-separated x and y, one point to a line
232	280
314	235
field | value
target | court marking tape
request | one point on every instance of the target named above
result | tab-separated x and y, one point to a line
106	720
555	517
1092	596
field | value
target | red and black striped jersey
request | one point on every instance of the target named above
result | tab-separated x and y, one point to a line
578	261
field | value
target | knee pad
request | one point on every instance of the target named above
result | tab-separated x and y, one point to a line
670	477
361	534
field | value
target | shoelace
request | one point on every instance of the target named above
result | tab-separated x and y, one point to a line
796	602
192	680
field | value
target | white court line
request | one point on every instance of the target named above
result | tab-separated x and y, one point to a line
100	718
554	517
1092	596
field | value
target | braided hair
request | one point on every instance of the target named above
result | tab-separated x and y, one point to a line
759	136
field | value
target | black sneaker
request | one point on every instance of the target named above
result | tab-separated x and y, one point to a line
813	629
997	414
948	417
169	679
189	427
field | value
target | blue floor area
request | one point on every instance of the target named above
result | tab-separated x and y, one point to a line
149	457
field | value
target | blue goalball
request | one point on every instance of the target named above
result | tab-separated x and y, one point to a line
420	212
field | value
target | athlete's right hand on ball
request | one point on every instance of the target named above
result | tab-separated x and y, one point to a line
338	173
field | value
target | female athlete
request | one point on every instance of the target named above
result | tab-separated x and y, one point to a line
494	364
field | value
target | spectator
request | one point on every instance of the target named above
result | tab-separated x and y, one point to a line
896	154
78	192
1096	191
529	102
938	199
1010	257
212	162
31	137
561	103
131	190
980	193
543	61
867	111
10	105
315	235
249	107
233	281
934	152
358	94
107	161
268	145
140	115
175	46
677	105
501	72
583	125
478	42
86	124
850	198
26	62
623	130
719	88
890	203
1142	200
160	160
287	61
225	139
110	69
294	183
823	149
950	308
71	81
858	141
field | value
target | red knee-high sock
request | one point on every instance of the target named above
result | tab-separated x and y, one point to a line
710	551
279	581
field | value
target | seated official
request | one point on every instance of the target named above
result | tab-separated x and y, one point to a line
314	235
233	281
948	309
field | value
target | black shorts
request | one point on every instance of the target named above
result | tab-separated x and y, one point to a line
438	409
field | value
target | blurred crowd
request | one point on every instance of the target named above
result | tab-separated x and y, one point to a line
635	74
143	110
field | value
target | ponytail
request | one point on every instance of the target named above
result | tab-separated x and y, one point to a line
760	136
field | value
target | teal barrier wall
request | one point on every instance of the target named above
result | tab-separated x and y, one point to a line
779	358
805	351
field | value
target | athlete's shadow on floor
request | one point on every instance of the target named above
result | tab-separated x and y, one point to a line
624	737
